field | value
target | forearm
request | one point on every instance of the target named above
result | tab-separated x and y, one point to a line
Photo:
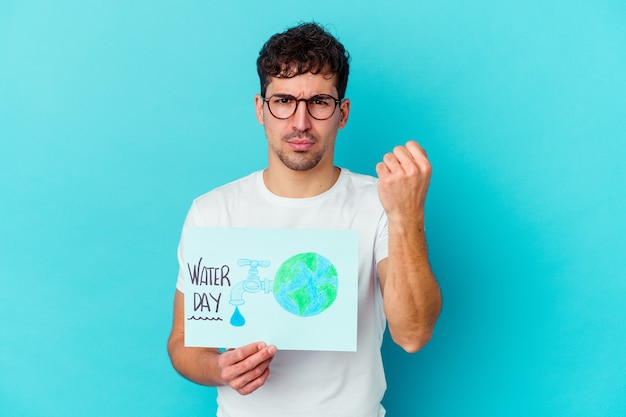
412	298
199	365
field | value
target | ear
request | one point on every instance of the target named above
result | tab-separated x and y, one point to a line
258	104
344	113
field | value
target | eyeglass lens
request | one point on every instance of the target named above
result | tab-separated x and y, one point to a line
320	107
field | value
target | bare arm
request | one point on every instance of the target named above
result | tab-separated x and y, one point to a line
412	298
244	369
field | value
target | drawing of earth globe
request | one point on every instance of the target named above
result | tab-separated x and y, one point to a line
306	284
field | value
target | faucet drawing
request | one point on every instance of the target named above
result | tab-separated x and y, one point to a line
253	283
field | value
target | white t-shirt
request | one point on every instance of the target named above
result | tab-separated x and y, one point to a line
310	383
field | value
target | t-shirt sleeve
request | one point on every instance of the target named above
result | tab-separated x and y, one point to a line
192	219
381	247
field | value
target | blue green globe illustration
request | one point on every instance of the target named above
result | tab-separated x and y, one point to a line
306	284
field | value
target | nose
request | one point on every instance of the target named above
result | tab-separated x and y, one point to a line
301	118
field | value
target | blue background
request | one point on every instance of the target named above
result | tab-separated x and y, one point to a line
114	115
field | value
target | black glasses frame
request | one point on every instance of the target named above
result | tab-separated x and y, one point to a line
298	100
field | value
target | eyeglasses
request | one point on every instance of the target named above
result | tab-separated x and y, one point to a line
320	107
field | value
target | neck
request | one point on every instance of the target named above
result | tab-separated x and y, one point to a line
300	184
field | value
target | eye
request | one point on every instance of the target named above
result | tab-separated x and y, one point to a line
283	100
320	101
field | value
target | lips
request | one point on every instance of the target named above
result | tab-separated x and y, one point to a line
300	141
299	144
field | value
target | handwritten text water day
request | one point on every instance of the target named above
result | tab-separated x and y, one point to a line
205	276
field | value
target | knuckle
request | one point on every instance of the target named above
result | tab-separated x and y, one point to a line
222	360
227	375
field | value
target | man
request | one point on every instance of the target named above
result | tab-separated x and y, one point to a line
303	74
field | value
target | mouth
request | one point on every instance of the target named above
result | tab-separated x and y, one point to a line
300	143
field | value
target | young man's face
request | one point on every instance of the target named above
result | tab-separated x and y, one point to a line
301	142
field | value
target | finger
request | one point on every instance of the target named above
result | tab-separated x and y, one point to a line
382	169
406	163
416	150
391	161
256	355
254	377
418	160
233	356
255	383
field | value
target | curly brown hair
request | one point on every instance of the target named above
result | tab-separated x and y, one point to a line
307	47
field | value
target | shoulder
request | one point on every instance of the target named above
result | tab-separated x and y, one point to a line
229	190
355	182
217	206
359	191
